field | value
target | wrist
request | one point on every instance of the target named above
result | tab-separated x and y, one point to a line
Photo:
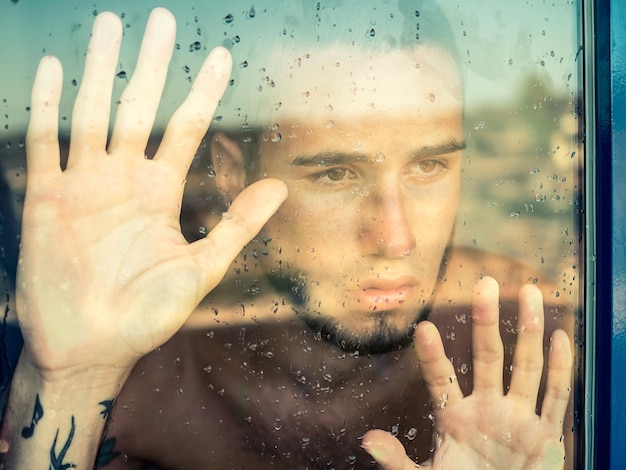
57	415
69	381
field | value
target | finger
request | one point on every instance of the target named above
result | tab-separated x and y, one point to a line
487	349
190	122
528	356
140	100
250	210
42	137
92	109
558	383
436	368
387	451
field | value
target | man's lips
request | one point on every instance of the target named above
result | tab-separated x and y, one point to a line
385	294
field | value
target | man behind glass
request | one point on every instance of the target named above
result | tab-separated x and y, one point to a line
370	152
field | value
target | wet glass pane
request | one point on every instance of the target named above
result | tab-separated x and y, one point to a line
425	145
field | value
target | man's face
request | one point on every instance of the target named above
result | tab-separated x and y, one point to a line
374	178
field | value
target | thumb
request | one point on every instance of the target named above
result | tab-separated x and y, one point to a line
387	451
247	214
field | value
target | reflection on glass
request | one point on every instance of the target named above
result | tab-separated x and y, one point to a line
423	147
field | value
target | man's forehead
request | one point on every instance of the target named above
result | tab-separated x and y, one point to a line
339	83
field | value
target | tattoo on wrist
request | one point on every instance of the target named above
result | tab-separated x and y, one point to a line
107	404
106	453
57	462
28	431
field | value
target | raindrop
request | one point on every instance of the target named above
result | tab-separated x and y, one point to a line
395	430
228	19
196	46
371	33
479	125
275	136
203	230
330	124
411	434
463	369
121	74
417	13
278	424
243	65
251	12
431	97
514	214
74	82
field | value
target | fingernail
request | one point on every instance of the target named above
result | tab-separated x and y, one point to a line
375	451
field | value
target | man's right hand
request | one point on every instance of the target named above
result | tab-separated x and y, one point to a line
105	275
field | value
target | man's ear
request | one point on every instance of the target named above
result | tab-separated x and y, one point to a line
229	166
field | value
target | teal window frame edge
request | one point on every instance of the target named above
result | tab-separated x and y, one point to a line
606	294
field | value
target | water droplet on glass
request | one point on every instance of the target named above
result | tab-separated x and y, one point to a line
278	424
203	230
330	124
479	125
251	12
227	216
395	430
463	369
243	64
275	136
228	19
410	434
371	33
121	74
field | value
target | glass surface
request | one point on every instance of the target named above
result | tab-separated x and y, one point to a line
423	146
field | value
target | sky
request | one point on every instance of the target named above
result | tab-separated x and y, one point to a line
500	43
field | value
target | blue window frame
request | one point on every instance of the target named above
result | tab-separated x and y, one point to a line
610	205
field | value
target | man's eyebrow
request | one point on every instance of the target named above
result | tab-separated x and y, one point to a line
451	146
331	158
342	158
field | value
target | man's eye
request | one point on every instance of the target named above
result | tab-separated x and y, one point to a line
333	175
426	171
429	166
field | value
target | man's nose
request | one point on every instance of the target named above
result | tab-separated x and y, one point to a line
386	228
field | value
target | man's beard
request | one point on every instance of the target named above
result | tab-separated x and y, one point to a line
384	337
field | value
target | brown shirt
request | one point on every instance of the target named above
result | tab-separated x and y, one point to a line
260	394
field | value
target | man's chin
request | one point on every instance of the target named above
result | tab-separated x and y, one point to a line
385	330
382	336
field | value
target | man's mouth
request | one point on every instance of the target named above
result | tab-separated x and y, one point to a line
386	294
